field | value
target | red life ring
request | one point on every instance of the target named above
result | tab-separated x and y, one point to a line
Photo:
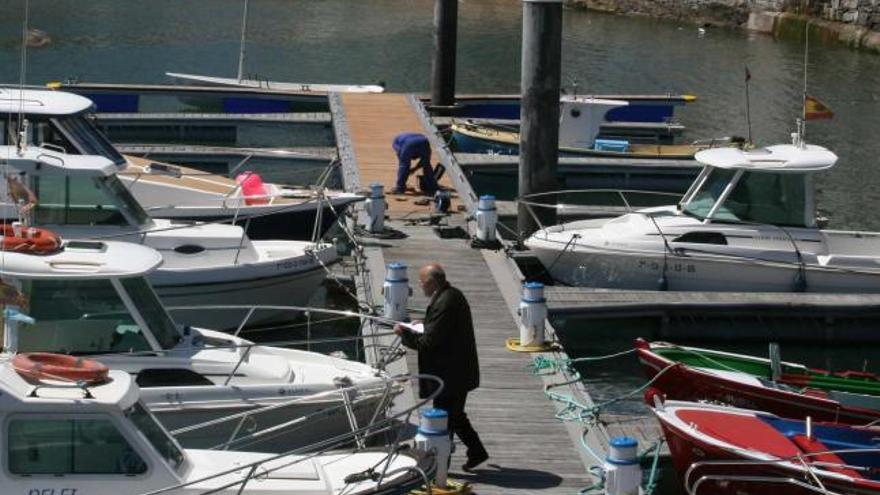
49	366
30	241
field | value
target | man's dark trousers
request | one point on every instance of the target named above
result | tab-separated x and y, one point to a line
459	424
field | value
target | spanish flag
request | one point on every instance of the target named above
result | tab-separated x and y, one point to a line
815	109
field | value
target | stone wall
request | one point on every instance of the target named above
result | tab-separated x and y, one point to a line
853	22
865	13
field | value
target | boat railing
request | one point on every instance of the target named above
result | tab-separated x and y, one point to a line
628	199
351	395
692	480
760	480
390	423
391	351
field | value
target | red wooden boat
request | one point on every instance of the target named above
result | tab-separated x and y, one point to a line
722	450
718	382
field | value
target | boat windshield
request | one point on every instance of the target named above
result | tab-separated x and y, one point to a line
146	423
72	134
85	200
152	311
90	317
87	139
758	197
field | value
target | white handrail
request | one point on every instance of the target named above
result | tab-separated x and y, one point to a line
320	447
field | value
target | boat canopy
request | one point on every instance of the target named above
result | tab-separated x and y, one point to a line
769	185
778	158
83	260
42	102
55	120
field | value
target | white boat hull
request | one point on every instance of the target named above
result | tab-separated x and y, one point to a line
634	270
284	289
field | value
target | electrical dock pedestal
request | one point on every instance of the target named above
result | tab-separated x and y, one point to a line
532	451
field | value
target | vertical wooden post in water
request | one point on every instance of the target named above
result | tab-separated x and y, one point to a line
539	114
443	70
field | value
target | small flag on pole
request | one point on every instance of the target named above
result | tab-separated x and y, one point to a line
815	109
748	74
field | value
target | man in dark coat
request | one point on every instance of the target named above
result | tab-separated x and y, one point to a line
447	349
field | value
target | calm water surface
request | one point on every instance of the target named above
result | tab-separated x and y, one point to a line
137	41
350	41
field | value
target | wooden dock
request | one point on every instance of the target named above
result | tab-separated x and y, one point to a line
373	120
531	450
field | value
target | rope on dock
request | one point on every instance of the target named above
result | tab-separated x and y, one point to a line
588	416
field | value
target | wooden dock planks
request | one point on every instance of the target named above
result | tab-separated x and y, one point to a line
531	451
373	121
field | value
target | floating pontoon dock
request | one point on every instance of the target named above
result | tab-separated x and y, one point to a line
531	451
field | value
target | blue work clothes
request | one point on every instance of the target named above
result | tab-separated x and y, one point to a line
410	146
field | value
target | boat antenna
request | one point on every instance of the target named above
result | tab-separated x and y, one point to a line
241	50
22	127
802	122
748	106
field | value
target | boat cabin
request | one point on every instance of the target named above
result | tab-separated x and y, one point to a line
58	436
580	119
71	190
771	185
54	120
89	298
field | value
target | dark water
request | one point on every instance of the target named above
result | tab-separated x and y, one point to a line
390	40
349	41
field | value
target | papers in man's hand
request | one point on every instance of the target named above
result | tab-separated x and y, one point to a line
414	327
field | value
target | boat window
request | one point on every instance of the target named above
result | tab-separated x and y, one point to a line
171	377
702	238
125	200
79	317
705	197
146	423
81	200
70	446
153	312
758	197
87	138
772	198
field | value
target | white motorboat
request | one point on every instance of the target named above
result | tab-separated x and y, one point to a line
98	438
746	224
80	196
272	212
60	121
92	298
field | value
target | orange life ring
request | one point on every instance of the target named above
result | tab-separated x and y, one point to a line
31	241
49	366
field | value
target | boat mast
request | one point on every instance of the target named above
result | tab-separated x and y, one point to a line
802	123
244	18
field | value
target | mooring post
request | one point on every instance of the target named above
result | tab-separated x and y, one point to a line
539	114
443	70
